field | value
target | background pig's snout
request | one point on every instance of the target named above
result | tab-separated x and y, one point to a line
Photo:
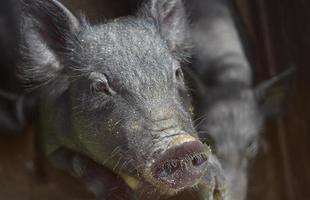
182	165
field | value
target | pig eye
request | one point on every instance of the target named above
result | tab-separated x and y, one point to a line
179	74
100	84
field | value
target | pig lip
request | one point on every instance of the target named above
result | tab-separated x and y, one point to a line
181	167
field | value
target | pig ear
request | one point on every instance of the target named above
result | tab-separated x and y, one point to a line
272	94
47	27
172	22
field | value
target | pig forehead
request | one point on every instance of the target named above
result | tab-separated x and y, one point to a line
128	45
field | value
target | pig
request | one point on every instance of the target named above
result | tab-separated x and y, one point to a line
228	114
229	110
113	107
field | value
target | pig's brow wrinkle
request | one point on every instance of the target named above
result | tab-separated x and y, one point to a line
160	130
173	135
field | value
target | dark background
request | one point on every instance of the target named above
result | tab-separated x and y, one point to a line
281	30
280	33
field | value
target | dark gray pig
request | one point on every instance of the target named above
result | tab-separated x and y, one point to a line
230	111
114	110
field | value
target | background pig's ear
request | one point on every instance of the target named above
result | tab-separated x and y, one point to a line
47	29
272	95
172	21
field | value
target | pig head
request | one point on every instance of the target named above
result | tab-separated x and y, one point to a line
114	93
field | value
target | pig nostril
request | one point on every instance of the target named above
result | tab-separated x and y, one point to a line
167	168
199	160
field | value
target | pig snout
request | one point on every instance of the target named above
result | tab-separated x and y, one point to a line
181	165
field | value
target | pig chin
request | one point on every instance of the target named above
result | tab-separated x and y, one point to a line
179	166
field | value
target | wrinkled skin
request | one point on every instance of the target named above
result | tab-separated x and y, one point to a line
113	104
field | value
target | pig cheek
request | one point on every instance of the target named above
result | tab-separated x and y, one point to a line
94	138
